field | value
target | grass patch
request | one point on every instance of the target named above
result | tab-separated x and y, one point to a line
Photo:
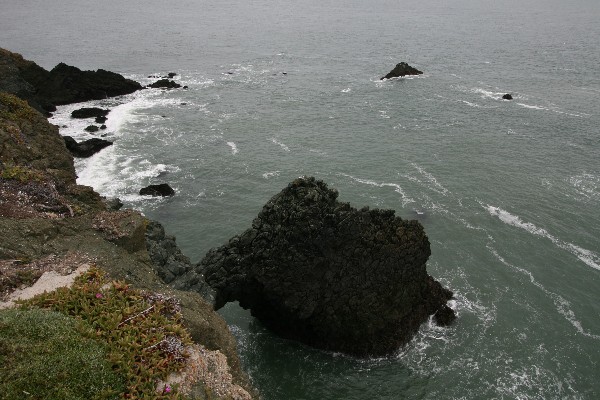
43	356
143	331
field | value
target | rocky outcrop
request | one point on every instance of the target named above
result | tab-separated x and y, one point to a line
28	140
64	84
162	189
87	148
402	69
319	271
164	84
170	262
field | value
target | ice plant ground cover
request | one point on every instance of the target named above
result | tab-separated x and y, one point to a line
141	331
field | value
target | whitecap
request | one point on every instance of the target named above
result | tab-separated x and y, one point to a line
268	175
234	149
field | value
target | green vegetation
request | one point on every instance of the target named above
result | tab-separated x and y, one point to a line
13	108
22	174
142	331
43	356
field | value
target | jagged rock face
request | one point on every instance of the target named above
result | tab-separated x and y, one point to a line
316	270
64	84
402	69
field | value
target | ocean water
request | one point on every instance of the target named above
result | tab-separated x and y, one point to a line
508	191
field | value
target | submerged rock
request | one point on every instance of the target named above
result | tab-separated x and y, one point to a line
402	69
87	148
162	189
319	271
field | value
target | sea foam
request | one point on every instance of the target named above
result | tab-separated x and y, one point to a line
586	256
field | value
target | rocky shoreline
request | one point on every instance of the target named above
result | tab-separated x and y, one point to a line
310	268
47	219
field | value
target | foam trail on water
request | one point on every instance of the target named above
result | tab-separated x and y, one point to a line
397	188
283	146
562	305
268	175
234	149
586	256
437	187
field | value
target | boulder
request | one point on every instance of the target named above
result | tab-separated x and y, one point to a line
90	112
91	128
402	69
319	271
87	148
100	119
162	189
507	96
164	84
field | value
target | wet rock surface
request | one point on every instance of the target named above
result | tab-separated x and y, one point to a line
319	271
87	148
402	69
164	84
162	189
91	112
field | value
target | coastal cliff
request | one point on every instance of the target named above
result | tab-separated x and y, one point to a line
49	223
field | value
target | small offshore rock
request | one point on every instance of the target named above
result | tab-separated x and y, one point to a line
402	69
164	84
91	128
100	119
171	74
87	148
507	96
89	112
162	189
102	126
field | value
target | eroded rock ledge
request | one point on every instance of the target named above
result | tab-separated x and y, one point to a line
319	271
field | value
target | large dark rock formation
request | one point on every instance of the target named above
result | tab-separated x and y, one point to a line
87	148
402	69
64	84
316	270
